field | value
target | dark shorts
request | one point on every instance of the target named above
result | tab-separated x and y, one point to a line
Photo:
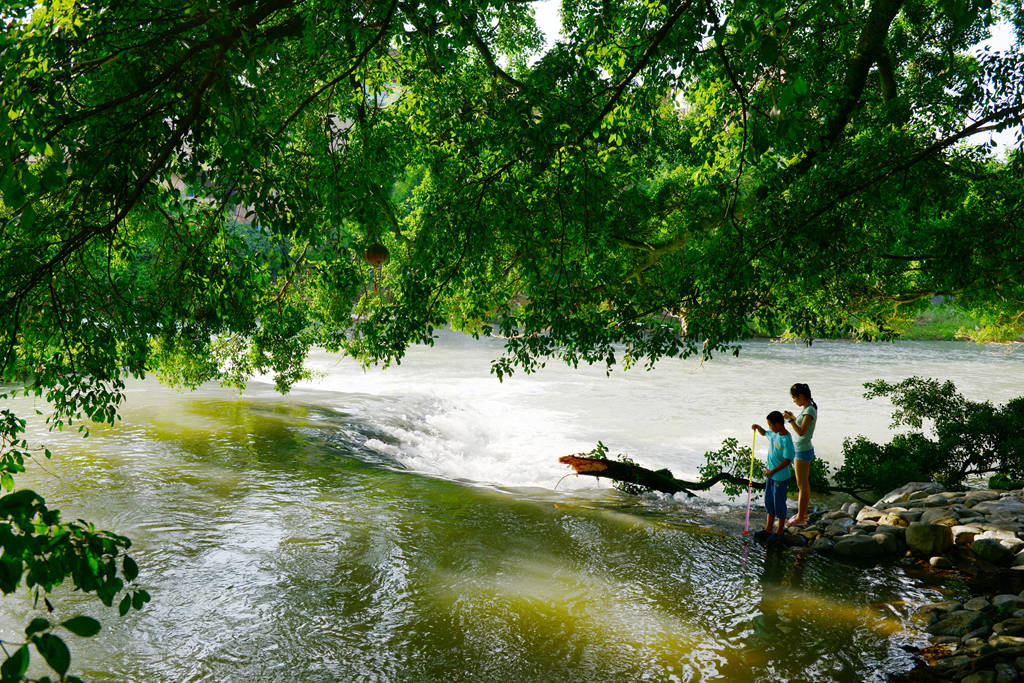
775	497
805	456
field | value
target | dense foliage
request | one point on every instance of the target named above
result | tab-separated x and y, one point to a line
953	438
189	188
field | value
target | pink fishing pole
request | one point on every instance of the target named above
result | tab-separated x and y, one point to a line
750	483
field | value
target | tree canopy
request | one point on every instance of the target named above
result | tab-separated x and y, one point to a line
201	189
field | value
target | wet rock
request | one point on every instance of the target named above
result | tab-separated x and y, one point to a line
939	516
794	540
929	539
858	547
976	646
964	534
840	526
946	640
950	666
823	545
960	623
940	562
1008	602
1018	560
853	509
991	550
1000	641
938	609
902	494
899	532
910	516
1009	627
1005	537
983	676
1006	673
977	604
889	543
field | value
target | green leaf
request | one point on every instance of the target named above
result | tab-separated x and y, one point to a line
7	481
769	50
131	570
799	86
36	625
82	626
14	667
124	605
54	651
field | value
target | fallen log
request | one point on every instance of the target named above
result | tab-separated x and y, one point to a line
657	480
663	481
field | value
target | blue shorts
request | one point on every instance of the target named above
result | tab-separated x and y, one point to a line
775	497
805	456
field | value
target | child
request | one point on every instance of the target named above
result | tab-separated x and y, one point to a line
776	479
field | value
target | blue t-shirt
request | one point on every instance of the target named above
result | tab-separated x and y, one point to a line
781	448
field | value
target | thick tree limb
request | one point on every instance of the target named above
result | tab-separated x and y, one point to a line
663	481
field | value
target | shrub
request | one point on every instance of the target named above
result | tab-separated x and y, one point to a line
954	438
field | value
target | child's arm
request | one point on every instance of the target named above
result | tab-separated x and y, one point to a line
757	428
781	466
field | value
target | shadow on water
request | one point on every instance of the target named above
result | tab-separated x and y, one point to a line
279	547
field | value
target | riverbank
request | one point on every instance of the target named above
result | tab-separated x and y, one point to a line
977	535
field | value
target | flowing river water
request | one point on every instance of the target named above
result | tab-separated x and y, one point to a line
404	525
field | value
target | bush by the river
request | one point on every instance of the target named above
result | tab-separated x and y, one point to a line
953	438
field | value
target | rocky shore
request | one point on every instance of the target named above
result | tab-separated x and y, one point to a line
978	534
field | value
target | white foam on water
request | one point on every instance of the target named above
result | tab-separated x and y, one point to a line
445	415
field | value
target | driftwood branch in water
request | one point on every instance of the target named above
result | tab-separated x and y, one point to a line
662	480
657	480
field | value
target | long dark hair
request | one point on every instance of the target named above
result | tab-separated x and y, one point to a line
802	390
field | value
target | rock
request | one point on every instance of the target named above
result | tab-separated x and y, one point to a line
868	513
978	604
1004	506
1018	560
853	509
1009	627
840	526
929	539
964	535
890	544
899	532
938	608
891	519
980	495
858	547
822	544
983	676
946	640
903	493
909	516
794	540
960	623
1005	673
939	516
834	515
937	499
1008	602
941	562
1001	641
991	550
949	666
1007	538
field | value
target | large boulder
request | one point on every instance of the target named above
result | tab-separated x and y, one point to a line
903	493
858	547
1007	507
960	623
991	550
929	539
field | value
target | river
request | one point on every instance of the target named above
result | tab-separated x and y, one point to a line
404	525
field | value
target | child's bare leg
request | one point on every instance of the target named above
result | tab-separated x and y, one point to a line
782	525
770	524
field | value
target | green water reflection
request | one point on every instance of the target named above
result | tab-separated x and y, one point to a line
276	549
